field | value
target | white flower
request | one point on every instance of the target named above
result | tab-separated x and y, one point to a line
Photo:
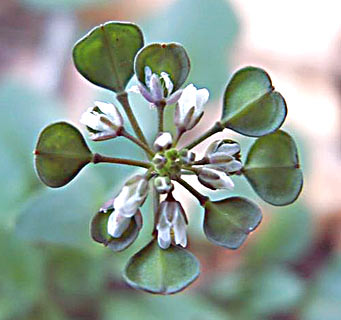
158	89
190	107
126	205
215	178
163	141
132	196
163	184
171	218
103	121
225	155
117	224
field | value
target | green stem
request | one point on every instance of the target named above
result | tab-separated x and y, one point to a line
201	198
123	99
142	145
160	112
98	158
218	126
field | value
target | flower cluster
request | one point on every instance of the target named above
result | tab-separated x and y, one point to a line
214	171
250	107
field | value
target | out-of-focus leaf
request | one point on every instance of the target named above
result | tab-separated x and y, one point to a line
207	29
161	271
275	290
105	56
228	222
62	217
99	233
148	307
285	238
21	277
251	106
272	168
325	294
27	110
60	154
171	58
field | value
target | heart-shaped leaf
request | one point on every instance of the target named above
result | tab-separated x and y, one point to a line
98	230
228	222
272	168
251	106
171	58
161	271
61	152
105	56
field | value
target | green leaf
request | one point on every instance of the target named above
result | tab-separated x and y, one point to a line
251	106
171	58
215	21
161	271
105	56
60	154
99	232
272	168
228	222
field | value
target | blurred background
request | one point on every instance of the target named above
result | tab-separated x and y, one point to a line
289	268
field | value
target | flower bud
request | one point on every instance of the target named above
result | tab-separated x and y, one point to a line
225	155
171	218
117	224
132	196
190	107
103	121
187	156
163	184
215	178
163	141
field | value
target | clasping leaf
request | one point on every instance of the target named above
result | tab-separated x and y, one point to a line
228	222
61	152
251	106
272	168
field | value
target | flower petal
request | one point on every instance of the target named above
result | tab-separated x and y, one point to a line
168	82
117	224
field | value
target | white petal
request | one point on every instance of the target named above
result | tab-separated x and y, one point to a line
233	166
93	121
117	224
147	75
187	100
174	97
164	237
179	227
168	82
201	98
163	141
111	112
229	148
225	182
155	87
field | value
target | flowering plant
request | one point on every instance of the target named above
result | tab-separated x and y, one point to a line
109	56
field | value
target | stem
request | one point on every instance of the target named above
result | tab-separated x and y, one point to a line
201	198
218	126
98	158
142	145
123	99
160	112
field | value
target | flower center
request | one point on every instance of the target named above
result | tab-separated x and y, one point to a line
168	163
